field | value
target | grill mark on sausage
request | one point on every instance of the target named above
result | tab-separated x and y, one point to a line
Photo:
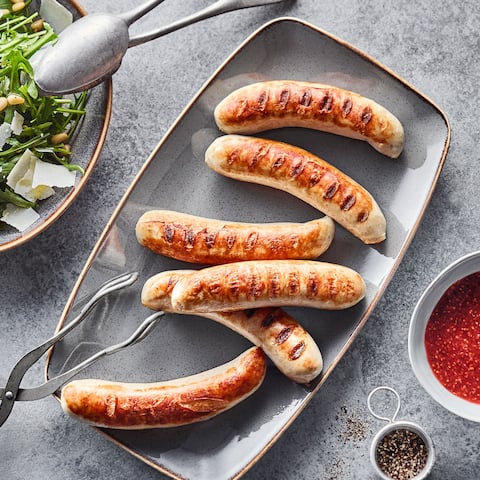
284	98
268	320
214	286
234	285
314	178
278	162
190	236
262	101
168	232
293	283
233	156
210	238
348	202
326	103
255	287
347	106
251	241
275	287
297	169
283	335
231	239
257	156
363	216
172	281
297	351
312	285
254	159
306	99
331	190
366	116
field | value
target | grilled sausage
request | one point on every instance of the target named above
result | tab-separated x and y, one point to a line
302	174
202	240
171	403
266	283
285	103
288	345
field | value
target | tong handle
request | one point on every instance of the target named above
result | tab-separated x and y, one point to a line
51	386
9	394
218	8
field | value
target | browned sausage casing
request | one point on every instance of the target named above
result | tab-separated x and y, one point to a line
290	347
302	174
287	103
266	283
165	404
202	240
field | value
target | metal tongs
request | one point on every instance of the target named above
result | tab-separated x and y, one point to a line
13	393
91	49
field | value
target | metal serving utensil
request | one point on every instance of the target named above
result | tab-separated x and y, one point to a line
91	49
13	393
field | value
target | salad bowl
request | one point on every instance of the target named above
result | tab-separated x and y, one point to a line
85	145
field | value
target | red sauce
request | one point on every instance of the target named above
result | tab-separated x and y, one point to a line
452	338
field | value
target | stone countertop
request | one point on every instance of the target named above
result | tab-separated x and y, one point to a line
432	45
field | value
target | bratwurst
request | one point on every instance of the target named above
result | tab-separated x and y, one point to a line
203	240
302	174
267	283
288	345
134	406
286	103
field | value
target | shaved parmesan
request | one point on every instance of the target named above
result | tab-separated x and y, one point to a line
52	175
34	180
42	192
30	177
5	133
6	129
17	123
20	170
24	186
19	218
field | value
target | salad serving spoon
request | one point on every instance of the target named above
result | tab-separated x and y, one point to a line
91	49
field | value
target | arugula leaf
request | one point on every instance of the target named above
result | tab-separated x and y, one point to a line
43	117
8	196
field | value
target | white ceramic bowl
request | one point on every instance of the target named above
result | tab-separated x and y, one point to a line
399	425
416	346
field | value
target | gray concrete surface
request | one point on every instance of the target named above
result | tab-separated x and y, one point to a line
434	46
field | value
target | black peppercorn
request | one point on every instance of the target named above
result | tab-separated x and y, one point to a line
401	454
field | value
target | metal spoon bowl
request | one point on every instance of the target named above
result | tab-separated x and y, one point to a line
91	49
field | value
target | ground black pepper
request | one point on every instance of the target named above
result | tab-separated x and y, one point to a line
354	429
401	454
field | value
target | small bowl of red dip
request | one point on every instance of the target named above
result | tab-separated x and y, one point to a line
444	338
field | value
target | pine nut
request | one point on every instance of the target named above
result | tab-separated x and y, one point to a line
16	7
59	138
14	99
37	26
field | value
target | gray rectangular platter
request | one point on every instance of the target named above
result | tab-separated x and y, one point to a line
175	177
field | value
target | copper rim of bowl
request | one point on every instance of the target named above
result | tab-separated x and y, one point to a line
457	270
400	425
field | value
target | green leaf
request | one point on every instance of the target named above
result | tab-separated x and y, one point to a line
32	89
8	196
